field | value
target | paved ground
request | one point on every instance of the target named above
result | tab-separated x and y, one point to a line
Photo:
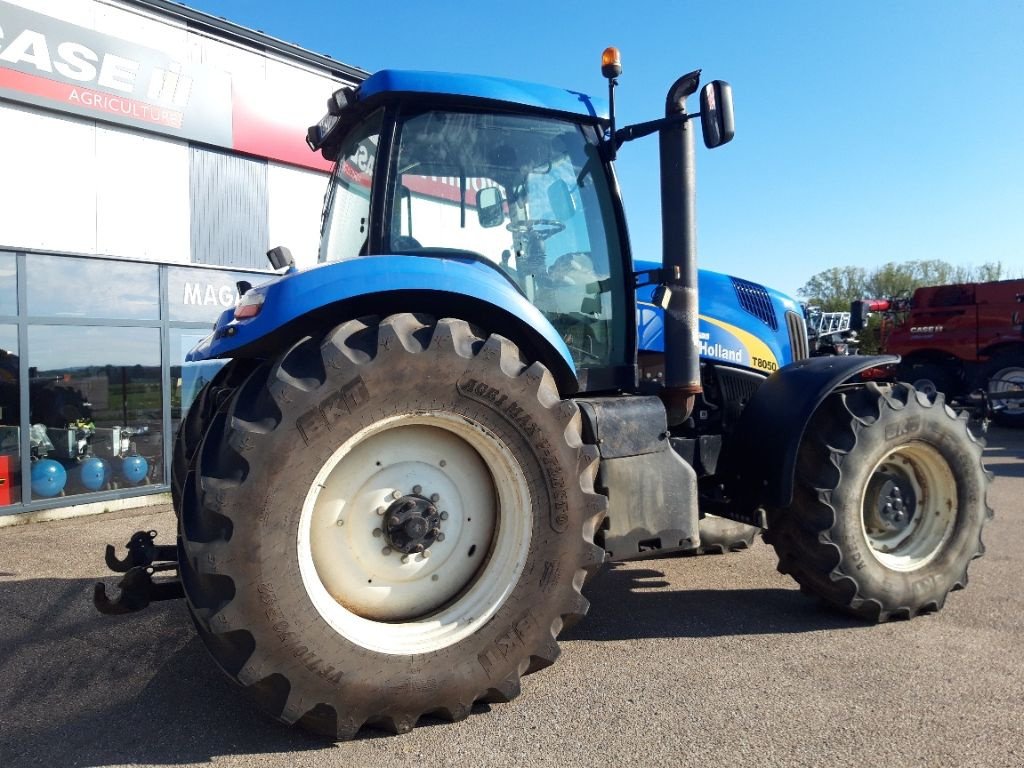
697	661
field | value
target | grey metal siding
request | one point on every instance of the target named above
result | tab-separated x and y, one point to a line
229	209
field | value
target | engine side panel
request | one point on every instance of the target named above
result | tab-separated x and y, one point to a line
740	323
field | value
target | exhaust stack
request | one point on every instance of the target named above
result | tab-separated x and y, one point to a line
678	293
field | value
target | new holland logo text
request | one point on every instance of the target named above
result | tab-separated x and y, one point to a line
719	351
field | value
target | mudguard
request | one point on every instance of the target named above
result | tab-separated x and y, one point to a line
451	281
760	456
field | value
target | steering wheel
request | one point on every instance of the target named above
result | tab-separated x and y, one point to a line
542	228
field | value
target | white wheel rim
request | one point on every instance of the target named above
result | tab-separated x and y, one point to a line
1010	379
909	506
407	604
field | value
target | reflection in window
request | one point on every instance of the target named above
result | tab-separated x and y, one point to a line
63	286
10	418
187	378
8	284
95	407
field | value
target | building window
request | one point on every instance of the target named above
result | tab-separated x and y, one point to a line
60	286
8	284
200	295
187	380
96	408
10	417
95	349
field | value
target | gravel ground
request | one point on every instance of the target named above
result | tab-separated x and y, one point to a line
714	660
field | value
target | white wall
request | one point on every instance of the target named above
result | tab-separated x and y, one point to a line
48	187
142	196
72	185
296	199
72	11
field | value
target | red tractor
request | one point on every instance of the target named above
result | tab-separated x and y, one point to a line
959	339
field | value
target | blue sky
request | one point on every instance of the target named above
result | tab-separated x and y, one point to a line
866	132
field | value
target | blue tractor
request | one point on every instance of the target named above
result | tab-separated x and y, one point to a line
419	451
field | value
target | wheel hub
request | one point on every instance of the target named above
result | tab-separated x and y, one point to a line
411	524
895	502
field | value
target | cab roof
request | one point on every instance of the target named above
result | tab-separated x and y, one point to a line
485	88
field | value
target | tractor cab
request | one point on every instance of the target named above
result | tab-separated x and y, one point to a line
434	166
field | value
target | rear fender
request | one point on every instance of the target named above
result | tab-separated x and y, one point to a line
303	302
759	458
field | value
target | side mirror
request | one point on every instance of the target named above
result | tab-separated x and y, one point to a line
280	257
490	207
716	116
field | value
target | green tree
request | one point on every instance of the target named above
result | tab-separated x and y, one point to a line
835	288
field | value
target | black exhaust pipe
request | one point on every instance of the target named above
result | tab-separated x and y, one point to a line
679	253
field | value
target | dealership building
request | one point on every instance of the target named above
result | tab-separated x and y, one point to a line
151	155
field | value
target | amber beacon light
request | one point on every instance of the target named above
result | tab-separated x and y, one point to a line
611	62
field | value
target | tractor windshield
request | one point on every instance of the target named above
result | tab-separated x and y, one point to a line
527	195
346	215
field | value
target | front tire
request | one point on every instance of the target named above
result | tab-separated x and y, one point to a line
1006	374
889	504
391	522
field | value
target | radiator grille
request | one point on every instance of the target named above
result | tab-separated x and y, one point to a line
754	299
797	336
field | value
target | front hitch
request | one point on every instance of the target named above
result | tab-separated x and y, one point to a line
138	588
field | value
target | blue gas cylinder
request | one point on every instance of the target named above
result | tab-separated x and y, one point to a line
134	469
94	473
48	478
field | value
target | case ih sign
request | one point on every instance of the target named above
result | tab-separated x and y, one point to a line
50	63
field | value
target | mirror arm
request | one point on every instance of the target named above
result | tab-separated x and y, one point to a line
640	130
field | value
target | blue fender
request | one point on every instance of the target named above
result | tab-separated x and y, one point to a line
760	456
292	296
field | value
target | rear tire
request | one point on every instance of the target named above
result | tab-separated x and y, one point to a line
321	606
889	504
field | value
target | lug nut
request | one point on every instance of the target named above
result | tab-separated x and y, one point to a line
417	489
341	522
396	495
425	554
434	577
377	533
443	463
435	497
380	510
440	537
386	551
405	558
444	515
